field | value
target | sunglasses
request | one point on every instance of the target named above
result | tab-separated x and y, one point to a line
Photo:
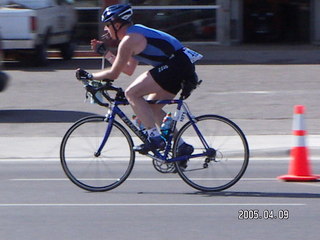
108	24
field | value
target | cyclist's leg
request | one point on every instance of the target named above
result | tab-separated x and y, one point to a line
149	114
161	82
157	109
142	86
183	147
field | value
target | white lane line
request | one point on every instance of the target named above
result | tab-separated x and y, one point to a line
142	179
144	204
100	179
141	159
309	184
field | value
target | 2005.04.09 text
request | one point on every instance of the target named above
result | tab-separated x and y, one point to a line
256	214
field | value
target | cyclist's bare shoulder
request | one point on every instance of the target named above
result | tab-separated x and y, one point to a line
135	41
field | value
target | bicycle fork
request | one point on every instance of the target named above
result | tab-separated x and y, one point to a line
106	136
110	118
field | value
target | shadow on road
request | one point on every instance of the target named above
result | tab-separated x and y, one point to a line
246	194
54	64
260	194
40	116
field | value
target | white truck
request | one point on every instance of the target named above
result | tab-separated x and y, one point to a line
32	26
3	76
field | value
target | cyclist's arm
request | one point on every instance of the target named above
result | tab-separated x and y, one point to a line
129	68
129	46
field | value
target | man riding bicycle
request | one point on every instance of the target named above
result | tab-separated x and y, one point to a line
173	67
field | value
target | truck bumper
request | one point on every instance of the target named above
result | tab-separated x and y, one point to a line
17	44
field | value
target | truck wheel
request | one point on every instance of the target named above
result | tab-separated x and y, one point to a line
4	79
67	50
41	55
41	50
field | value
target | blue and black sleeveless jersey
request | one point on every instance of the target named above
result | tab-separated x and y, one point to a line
160	45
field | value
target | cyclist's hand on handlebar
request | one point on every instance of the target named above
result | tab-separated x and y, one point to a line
83	74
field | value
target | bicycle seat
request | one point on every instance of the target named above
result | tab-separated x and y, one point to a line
188	85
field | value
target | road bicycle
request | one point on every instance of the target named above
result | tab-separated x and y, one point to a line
97	151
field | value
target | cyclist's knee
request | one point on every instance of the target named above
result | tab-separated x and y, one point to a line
131	94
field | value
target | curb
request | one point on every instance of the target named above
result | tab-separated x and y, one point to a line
77	54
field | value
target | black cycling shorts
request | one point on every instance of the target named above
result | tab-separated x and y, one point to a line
170	74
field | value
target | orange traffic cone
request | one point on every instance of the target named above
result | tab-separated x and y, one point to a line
299	169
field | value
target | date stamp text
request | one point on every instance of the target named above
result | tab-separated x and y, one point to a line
267	214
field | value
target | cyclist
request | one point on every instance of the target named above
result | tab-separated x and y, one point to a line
172	64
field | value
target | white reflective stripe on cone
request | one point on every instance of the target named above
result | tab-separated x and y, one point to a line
299	141
298	122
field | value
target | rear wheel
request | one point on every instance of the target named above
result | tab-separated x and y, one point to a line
226	154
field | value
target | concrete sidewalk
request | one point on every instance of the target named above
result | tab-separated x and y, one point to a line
262	147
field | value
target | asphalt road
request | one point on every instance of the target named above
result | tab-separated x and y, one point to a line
38	202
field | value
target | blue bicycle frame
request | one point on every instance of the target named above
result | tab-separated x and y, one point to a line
116	111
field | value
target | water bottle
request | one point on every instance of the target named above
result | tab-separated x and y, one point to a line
98	94
166	125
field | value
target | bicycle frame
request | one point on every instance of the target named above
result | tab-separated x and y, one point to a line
116	111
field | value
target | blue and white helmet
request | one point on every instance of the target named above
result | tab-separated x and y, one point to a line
122	12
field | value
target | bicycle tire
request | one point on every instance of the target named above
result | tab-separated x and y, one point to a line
96	173
231	153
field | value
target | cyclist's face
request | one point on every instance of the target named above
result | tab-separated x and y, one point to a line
110	30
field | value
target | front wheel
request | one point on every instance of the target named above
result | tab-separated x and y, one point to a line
92	171
224	150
